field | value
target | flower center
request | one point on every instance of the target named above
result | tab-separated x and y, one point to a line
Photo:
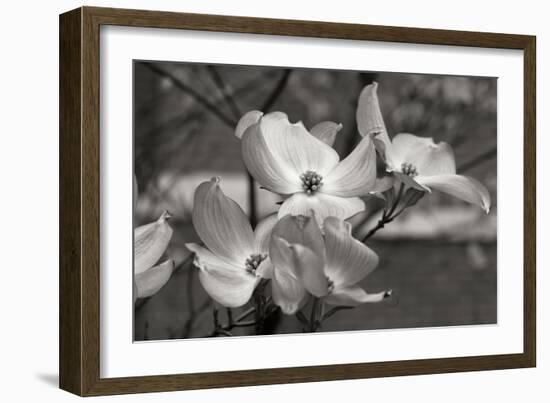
409	169
311	181
253	261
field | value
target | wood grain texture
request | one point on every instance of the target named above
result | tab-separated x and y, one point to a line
530	202
70	270
80	200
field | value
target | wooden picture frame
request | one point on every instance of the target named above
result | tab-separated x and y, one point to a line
80	199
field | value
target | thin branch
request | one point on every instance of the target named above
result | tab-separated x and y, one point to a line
254	83
225	329
397	200
476	160
387	215
379	225
245	314
244	324
270	101
198	97
252	200
232	323
223	88
313	315
225	91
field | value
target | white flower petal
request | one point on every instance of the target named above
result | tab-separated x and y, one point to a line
386	156
322	205
269	171
150	242
369	118
262	233
299	262
247	120
221	224
326	131
348	260
383	183
287	292
228	289
462	187
427	157
410	182
355	175
310	268
265	269
152	280
229	285
287	288
302	230
295	147
353	296
286	258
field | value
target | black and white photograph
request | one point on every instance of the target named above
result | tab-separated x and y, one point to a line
268	202
271	200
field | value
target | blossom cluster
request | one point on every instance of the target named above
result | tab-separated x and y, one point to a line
306	250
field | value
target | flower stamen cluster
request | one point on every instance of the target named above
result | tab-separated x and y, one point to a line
409	169
311	181
253	261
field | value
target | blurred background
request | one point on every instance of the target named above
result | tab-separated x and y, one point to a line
439	257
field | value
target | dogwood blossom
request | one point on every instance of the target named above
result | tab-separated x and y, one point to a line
235	256
328	266
303	168
418	162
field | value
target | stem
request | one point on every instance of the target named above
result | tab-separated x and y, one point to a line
260	312
252	200
387	216
397	200
314	319
245	324
245	314
229	316
383	221
215	318
232	323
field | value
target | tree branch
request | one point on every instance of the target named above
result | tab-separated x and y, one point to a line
476	160
225	91
270	101
198	97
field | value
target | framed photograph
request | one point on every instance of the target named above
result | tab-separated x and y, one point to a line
249	201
